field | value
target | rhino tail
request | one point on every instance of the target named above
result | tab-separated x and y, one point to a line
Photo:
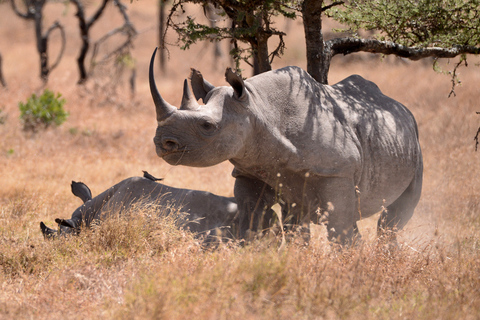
47	232
81	190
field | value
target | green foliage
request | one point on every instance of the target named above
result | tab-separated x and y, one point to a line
421	23
250	21
43	111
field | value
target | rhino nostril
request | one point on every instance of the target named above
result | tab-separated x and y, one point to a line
169	144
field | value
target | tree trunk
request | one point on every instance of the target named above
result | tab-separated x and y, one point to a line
318	61
2	79
41	40
261	62
82	55
84	26
161	33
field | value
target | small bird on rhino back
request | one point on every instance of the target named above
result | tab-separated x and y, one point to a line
204	212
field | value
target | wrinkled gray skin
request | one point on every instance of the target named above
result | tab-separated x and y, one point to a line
205	210
307	144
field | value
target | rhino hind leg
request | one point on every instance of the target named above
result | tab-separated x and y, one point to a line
397	214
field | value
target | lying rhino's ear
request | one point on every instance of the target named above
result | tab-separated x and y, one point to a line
200	86
66	223
237	84
81	190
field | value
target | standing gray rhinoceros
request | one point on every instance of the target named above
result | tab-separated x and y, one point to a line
204	210
313	146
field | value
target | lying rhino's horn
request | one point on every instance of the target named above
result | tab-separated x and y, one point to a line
164	109
47	232
188	100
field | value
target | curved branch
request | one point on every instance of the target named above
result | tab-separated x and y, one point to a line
334	4
28	15
476	138
84	33
127	28
58	26
349	45
97	14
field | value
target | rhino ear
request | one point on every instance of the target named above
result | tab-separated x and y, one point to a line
81	190
200	86
237	84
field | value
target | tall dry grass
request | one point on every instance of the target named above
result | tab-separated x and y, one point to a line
146	268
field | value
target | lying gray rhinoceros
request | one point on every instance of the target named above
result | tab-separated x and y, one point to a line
340	152
204	210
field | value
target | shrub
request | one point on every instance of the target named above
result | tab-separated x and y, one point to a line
43	111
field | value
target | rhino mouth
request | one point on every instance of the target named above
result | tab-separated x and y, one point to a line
179	152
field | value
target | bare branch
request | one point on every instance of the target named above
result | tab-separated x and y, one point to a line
334	4
58	26
477	138
127	28
454	75
97	14
349	45
279	49
28	15
84	33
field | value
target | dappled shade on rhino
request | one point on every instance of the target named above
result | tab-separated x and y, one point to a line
339	153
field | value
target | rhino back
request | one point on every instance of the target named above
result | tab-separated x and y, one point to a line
196	203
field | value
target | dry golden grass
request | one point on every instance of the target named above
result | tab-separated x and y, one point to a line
144	268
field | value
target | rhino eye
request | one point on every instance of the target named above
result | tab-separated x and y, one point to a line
208	126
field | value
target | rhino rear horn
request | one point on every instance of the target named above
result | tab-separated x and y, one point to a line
163	108
237	84
200	86
188	100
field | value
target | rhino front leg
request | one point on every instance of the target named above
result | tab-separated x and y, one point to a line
255	199
338	201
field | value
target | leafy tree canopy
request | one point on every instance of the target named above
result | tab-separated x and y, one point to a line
250	21
413	29
415	23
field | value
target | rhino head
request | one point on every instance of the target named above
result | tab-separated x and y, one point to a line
206	134
68	226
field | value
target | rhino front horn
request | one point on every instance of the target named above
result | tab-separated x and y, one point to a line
164	109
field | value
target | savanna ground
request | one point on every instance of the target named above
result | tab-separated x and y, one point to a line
147	268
